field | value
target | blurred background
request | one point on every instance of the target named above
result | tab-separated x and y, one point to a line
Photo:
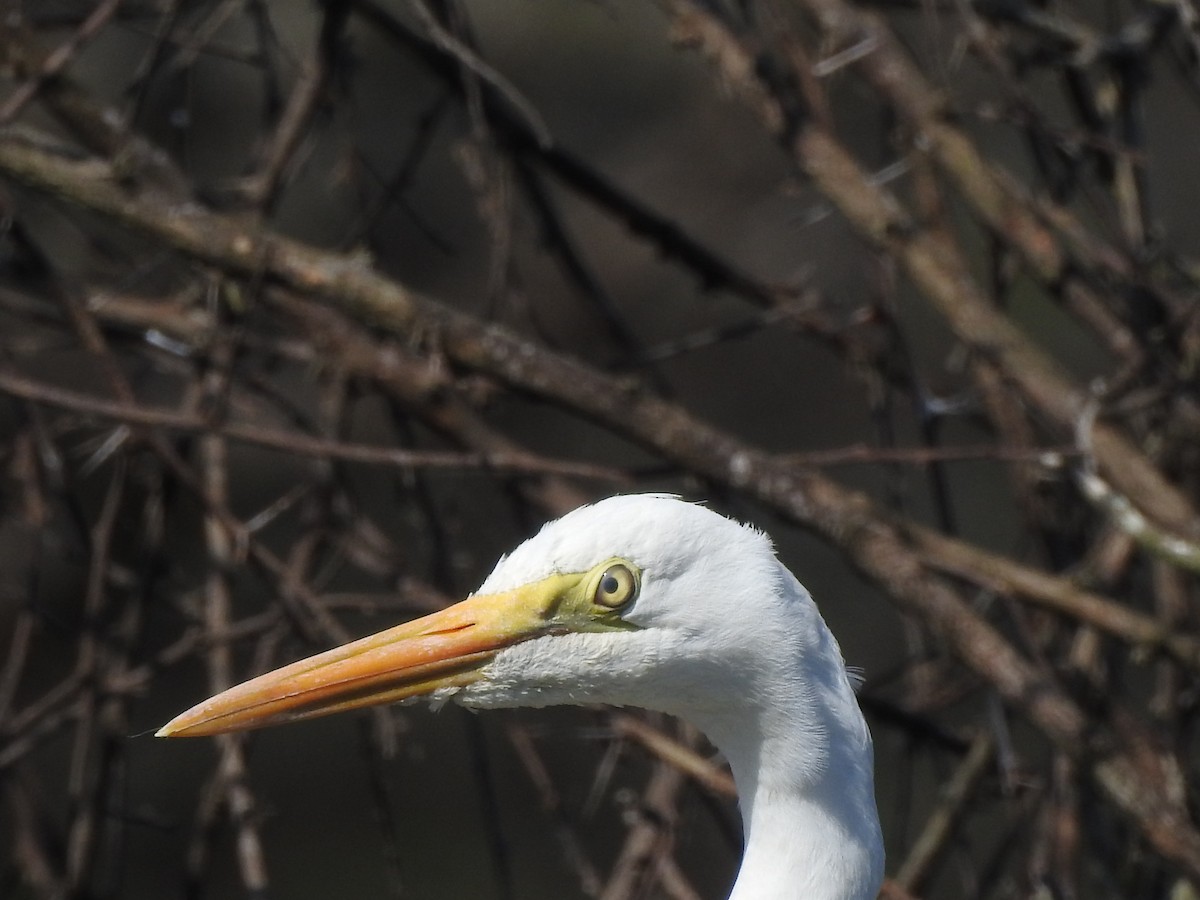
311	310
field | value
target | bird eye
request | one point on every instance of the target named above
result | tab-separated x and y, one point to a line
616	587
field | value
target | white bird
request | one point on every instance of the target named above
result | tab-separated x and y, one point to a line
649	601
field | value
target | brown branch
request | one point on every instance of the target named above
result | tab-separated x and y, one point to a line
87	787
1008	578
218	614
1052	243
297	442
31	856
573	851
649	837
866	454
260	188
680	755
523	139
59	58
102	129
423	386
943	821
935	268
843	517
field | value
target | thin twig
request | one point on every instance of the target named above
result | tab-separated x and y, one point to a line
296	442
59	59
943	821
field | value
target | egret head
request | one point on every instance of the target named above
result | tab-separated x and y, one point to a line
682	629
647	601
642	600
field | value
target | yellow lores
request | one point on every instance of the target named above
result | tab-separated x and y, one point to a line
443	650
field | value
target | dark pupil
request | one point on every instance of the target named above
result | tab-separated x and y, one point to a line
609	584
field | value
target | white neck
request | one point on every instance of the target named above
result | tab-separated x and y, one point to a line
781	710
818	841
803	762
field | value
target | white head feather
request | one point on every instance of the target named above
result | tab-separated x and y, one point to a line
727	638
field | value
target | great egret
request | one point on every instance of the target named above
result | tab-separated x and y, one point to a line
639	600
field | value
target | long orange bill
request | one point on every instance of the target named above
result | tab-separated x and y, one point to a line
444	650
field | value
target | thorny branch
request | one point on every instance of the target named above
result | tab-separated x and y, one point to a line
158	329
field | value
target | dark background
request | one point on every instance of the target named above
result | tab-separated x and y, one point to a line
867	275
